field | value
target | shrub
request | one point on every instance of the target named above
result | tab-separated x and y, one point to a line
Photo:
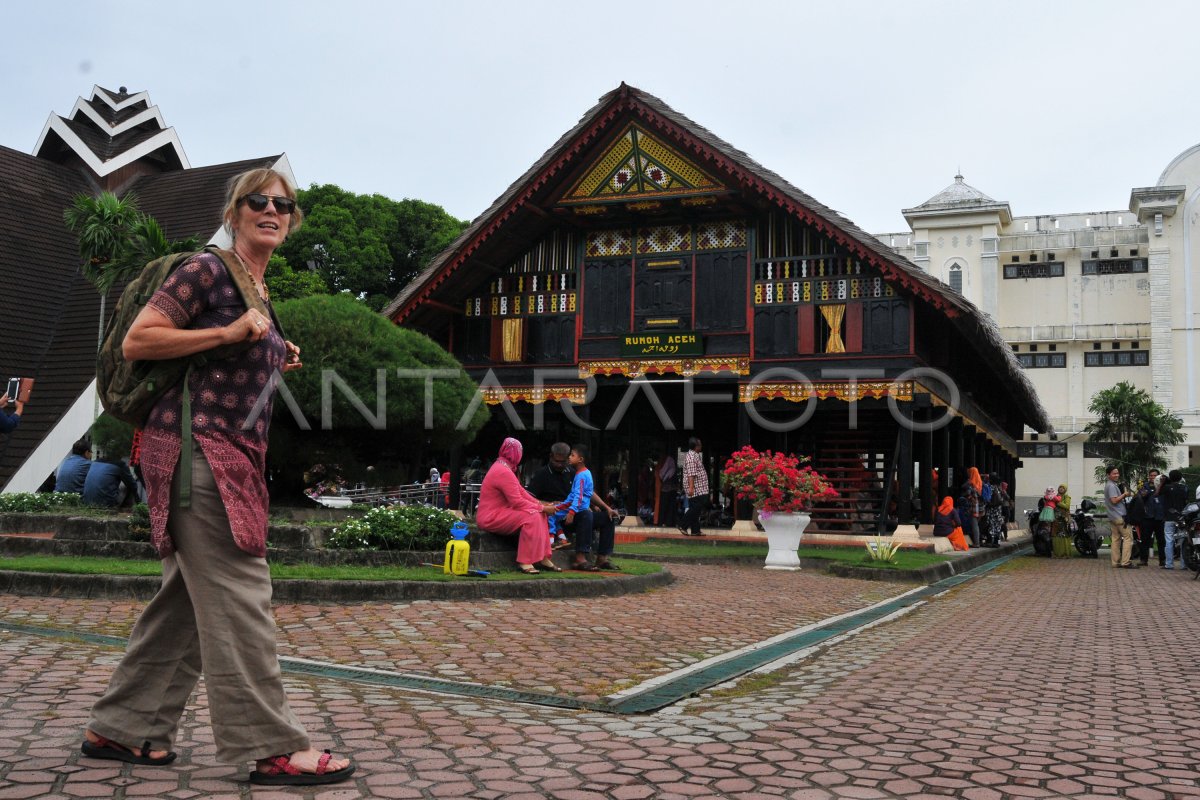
27	502
139	523
400	528
880	549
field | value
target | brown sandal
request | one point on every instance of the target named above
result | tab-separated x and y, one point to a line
549	566
529	569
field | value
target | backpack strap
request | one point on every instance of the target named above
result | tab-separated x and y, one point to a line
185	449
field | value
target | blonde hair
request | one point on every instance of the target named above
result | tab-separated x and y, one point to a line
256	180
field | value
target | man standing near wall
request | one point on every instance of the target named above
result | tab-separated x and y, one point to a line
1114	503
695	483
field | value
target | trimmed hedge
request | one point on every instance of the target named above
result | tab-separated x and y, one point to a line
33	502
399	528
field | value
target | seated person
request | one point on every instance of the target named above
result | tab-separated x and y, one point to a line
74	468
109	483
554	483
505	508
947	518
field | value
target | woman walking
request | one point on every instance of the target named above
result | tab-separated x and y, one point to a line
212	615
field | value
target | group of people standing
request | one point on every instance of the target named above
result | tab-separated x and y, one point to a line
1145	516
979	514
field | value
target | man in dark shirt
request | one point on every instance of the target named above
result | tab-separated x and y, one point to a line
102	487
552	483
1174	495
73	470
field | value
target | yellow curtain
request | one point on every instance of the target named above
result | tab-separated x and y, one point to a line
510	336
833	315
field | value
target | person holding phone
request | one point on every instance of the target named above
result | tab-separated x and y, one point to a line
9	420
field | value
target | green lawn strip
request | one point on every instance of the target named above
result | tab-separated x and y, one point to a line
905	559
112	566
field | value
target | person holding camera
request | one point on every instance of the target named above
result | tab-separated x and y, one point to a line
1115	495
8	420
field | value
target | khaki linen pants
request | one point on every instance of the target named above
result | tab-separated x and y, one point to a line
1122	543
212	615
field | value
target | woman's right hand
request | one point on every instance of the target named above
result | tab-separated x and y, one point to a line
252	326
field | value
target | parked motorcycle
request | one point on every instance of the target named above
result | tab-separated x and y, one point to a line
1087	541
1187	536
1040	531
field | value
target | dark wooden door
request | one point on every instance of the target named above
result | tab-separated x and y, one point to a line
721	292
606	297
663	292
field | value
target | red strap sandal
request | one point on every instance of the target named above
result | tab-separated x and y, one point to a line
280	772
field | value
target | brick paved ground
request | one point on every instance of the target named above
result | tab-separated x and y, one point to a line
1042	679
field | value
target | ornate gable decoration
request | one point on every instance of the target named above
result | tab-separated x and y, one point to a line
639	165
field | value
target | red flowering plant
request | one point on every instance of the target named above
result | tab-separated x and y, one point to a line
774	481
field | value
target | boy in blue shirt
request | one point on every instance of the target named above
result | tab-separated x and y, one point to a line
579	499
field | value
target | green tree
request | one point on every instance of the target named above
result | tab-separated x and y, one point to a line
289	284
111	436
343	340
368	245
1139	429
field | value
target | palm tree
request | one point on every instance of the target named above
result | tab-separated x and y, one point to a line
102	225
147	241
1140	428
115	241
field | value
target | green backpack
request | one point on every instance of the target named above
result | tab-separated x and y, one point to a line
129	389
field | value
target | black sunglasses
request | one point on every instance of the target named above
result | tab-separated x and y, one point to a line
258	202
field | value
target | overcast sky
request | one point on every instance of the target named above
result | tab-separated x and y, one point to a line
870	107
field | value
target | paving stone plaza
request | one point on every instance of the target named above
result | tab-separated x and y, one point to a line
1037	678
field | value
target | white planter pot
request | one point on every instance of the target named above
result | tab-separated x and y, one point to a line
784	530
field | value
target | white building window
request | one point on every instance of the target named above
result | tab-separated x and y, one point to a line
956	277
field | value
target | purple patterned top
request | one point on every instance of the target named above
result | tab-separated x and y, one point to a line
200	294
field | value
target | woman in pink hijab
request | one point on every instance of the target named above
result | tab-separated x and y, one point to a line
506	508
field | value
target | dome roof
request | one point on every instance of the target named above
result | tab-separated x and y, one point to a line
959	196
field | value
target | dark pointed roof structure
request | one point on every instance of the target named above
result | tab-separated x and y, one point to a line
570	173
116	141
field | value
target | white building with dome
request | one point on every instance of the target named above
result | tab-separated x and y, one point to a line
1085	299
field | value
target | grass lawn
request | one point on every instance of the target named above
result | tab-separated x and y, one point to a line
905	559
113	566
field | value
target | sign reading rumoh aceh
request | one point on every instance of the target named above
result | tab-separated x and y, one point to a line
666	343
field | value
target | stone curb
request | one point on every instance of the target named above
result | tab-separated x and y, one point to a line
135	587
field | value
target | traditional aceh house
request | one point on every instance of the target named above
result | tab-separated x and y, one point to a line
648	280
115	141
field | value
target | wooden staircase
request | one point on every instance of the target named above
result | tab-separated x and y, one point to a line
857	463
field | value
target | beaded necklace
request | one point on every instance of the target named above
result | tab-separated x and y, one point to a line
261	288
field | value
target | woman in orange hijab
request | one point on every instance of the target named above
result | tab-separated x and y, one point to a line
947	523
970	504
